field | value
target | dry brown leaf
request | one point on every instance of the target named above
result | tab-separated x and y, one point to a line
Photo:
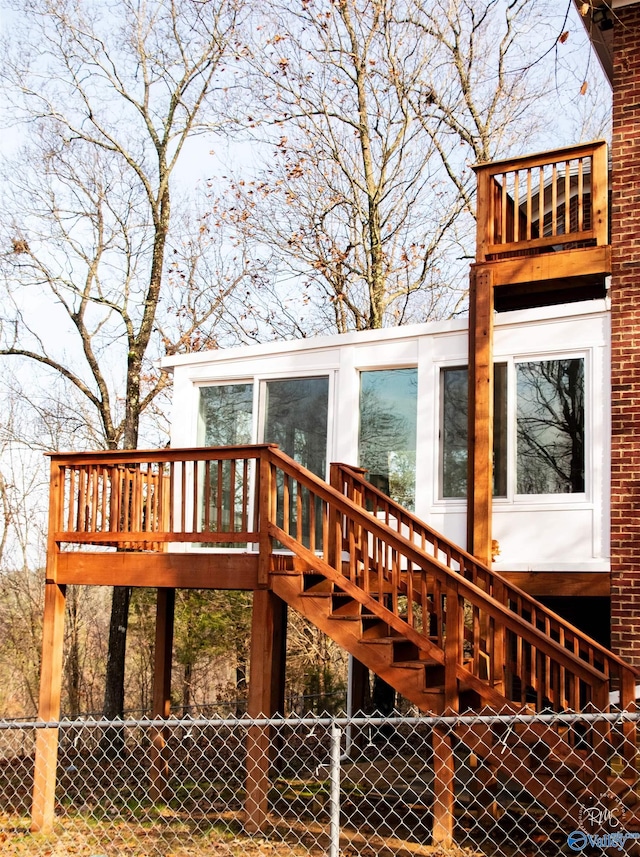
563	37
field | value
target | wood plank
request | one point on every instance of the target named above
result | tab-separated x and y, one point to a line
555	583
173	570
266	698
443	788
563	264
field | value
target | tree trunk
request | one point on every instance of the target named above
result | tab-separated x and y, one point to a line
113	739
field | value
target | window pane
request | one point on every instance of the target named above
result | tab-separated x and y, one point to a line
387	442
225	420
225	415
296	419
454	432
453	445
550	436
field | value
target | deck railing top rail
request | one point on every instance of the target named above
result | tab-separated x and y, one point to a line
542	203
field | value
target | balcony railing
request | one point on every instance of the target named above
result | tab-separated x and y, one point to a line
543	203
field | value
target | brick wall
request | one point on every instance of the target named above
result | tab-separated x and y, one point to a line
625	300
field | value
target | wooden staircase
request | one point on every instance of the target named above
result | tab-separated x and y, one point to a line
450	635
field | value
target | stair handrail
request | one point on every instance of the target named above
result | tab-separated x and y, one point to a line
501	589
496	609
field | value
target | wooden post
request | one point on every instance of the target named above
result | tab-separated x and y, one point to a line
266	697
159	763
44	781
266	505
480	433
443	788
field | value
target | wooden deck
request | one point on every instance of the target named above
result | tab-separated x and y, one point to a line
245	517
543	226
437	624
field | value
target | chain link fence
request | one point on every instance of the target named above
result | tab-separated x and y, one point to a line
534	785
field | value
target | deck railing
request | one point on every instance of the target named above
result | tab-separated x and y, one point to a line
142	499
539	680
488	635
543	203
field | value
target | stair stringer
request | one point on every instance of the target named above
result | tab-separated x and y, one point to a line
408	680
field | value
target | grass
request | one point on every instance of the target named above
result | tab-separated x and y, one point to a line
78	836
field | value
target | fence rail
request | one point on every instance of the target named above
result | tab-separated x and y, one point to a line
351	786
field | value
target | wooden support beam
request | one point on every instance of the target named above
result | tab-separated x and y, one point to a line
443	788
266	697
359	692
159	763
44	782
480	432
165	570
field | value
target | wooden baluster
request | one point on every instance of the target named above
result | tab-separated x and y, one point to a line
299	513
79	527
244	515
220	525
232	497
529	206
410	593
516	207
95	481
312	519
554	199
206	498
475	629
567	197
104	500
562	677
286	503
580	207
504	237
352	564
541	203
183	496
452	648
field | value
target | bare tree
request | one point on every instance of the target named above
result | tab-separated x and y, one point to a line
348	203
108	94
373	113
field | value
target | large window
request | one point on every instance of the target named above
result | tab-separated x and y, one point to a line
225	419
226	415
454	410
550	427
296	412
546	421
387	441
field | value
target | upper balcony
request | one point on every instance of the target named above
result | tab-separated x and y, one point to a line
543	226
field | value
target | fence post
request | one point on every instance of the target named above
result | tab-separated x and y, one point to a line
334	794
443	788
